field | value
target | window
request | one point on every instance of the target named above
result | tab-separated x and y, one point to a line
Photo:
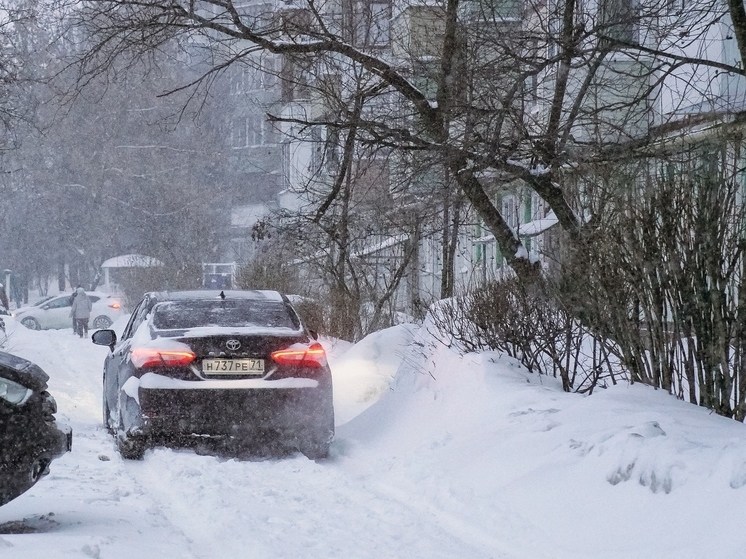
59	303
494	10
286	165
253	79
425	77
254	75
674	6
239	136
317	153
254	130
380	18
618	19
173	315
372	180
42	301
538	207
531	87
372	24
510	210
251	130
138	315
269	72
295	84
238	79
332	150
498	10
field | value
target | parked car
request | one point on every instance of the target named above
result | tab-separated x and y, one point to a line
54	312
30	438
229	364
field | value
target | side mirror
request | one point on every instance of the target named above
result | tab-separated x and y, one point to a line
45	307
314	334
105	337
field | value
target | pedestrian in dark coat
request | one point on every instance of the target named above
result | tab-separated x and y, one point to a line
80	311
4	298
72	300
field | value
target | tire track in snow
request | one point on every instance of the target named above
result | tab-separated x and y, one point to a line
90	500
177	504
292	507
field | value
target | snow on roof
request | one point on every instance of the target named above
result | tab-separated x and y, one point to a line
247	216
375	247
530	229
538	226
364	251
131	261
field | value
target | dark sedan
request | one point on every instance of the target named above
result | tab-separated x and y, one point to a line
236	365
30	438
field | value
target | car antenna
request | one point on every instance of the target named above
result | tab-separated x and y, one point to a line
222	295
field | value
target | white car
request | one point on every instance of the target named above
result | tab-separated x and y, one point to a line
54	312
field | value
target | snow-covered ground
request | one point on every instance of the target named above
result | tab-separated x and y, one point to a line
436	456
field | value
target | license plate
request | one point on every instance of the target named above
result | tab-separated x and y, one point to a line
233	366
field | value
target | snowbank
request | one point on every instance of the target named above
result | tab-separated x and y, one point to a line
437	456
363	372
510	460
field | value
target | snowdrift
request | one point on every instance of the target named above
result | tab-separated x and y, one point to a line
626	472
438	455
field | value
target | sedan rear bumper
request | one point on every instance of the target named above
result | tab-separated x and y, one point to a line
243	412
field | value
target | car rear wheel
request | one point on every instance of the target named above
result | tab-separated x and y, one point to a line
31	323
314	445
130	446
101	322
315	449
106	413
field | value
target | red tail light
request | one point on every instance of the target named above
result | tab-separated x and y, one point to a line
152	357
115	305
301	356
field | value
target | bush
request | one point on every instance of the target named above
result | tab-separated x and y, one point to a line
502	316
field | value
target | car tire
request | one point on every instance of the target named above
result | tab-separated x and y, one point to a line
101	322
315	445
106	411
131	447
314	450
31	323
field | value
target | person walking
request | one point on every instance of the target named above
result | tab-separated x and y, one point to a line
72	300
4	298
80	311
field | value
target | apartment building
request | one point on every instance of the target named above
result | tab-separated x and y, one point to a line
630	97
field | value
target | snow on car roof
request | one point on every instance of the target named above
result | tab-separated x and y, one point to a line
206	294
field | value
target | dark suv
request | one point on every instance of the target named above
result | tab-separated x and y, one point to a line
30	438
236	365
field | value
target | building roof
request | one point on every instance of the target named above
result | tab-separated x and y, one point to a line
131	261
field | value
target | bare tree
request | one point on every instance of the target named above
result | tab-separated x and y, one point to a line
554	96
106	174
521	91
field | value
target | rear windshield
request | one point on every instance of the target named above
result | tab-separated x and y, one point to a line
178	315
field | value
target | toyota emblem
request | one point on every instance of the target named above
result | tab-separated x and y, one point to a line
233	345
